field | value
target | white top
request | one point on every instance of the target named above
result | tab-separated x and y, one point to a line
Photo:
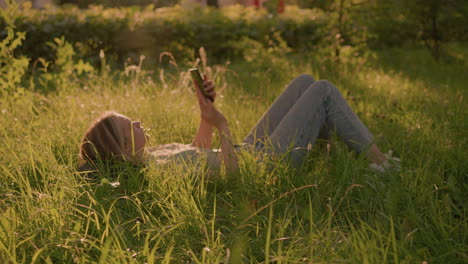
184	153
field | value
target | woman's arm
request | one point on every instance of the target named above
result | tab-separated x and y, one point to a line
227	149
203	137
205	131
210	117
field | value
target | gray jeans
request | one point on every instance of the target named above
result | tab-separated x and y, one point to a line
306	110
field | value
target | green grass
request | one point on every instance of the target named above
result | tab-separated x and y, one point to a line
347	214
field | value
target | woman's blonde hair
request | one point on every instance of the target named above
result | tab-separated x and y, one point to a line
103	140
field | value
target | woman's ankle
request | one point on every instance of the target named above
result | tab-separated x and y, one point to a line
374	155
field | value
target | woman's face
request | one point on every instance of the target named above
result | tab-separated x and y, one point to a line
134	135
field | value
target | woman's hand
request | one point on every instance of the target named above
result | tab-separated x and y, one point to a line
209	87
208	112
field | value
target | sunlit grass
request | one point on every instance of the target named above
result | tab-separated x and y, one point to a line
170	215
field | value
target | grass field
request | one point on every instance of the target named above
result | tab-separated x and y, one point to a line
333	210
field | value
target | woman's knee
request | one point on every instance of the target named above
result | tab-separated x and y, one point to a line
300	84
324	87
304	78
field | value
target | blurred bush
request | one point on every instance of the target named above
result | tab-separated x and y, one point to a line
132	31
12	66
128	32
116	3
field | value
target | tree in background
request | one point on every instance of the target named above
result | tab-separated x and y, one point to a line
430	22
347	31
212	3
322	4
437	20
363	24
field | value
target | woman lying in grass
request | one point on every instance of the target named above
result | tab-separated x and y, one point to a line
305	111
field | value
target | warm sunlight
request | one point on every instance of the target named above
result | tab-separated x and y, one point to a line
233	131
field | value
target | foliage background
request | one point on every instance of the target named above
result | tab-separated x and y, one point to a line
61	67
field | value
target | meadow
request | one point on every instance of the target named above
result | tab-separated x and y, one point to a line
332	210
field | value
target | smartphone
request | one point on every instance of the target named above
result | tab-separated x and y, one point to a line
196	76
